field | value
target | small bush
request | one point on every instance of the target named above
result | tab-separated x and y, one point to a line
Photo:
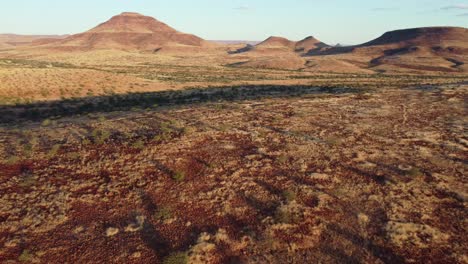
333	141
286	217
176	258
178	176
46	122
27	182
139	144
414	172
102	119
289	195
100	136
54	150
163	213
282	159
12	160
26	256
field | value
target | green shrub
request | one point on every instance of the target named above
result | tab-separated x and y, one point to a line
178	176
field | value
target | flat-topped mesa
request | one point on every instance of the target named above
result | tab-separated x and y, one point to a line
427	36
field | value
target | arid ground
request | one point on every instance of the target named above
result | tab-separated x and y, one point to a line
201	152
230	165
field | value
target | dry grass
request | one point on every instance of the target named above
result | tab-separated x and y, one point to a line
315	177
246	166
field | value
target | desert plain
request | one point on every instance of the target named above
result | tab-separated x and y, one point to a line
135	143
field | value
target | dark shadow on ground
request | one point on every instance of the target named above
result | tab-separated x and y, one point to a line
247	48
123	102
384	254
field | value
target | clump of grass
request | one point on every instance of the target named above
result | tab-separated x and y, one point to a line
282	159
289	195
27	182
161	137
73	155
102	118
28	148
12	160
333	141
178	176
286	217
139	144
414	172
100	136
166	128
54	150
176	258
26	256
163	213
46	122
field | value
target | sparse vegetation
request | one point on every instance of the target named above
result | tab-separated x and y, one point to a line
139	144
289	195
54	150
179	176
26	256
176	258
46	122
99	136
163	214
306	167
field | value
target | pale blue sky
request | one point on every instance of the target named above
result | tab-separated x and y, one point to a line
332	21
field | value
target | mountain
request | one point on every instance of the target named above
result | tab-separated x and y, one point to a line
131	31
429	49
308	44
276	42
273	44
278	53
443	49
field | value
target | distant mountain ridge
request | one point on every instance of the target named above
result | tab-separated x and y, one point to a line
22	40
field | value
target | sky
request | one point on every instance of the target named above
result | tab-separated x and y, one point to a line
331	21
